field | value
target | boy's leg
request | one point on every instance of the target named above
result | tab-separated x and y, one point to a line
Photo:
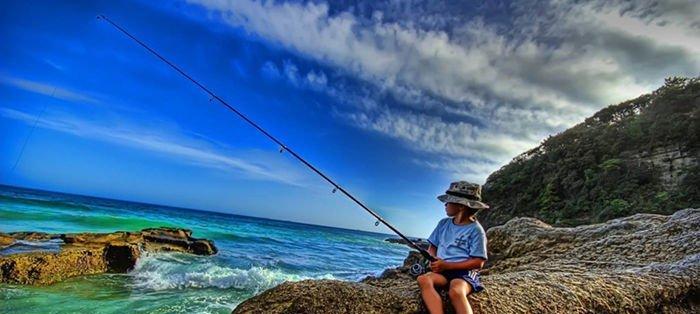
459	289
427	283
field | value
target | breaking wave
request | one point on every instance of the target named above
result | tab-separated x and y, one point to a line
165	271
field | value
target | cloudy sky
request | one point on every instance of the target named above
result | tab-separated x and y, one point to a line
392	99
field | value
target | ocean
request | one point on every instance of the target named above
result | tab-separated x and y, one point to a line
254	254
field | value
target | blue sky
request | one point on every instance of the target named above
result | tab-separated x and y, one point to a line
392	99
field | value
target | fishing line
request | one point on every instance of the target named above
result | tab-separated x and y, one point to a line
282	146
31	131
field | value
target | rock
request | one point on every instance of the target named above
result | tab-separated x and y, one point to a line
202	247
639	264
672	161
93	253
32	236
44	269
420	242
168	239
121	258
328	296
5	240
152	239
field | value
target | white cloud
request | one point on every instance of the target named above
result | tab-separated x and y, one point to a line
172	144
316	79
506	85
53	64
478	64
313	79
48	90
291	72
432	134
460	169
270	70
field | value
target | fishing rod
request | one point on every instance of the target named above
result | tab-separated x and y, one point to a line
283	147
31	131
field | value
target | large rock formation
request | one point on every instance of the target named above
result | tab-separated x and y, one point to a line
644	263
91	253
642	155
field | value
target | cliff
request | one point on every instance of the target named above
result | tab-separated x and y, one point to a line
642	155
645	263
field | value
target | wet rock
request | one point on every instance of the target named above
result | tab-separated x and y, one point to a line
42	269
180	240
639	264
93	253
32	236
202	247
6	240
121	258
420	242
152	239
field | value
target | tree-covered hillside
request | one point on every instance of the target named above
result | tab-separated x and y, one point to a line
638	156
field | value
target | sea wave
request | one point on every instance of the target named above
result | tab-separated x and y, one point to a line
47	203
241	238
166	271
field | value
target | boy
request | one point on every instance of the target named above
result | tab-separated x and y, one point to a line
459	244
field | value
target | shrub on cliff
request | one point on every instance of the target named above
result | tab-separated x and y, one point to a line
637	156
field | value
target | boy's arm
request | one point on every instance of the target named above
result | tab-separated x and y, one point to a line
432	250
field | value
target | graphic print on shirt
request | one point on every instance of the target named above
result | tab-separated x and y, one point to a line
461	241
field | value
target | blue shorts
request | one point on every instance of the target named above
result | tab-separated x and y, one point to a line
470	276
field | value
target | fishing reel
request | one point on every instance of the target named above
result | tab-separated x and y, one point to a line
419	268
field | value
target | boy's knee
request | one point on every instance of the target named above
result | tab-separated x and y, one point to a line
424	281
455	293
458	289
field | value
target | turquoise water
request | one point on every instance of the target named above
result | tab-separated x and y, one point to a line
254	254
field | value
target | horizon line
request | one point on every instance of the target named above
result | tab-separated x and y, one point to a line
196	209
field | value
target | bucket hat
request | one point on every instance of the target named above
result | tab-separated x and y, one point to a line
465	193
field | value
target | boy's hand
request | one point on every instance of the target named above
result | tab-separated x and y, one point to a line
438	265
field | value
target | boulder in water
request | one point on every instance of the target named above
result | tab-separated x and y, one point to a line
92	253
5	240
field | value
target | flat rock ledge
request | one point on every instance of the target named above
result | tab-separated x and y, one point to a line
91	253
644	263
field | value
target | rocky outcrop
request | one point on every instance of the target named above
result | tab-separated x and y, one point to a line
151	239
5	240
670	162
639	264
92	253
423	243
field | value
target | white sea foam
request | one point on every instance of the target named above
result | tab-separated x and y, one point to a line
172	271
24	246
40	243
